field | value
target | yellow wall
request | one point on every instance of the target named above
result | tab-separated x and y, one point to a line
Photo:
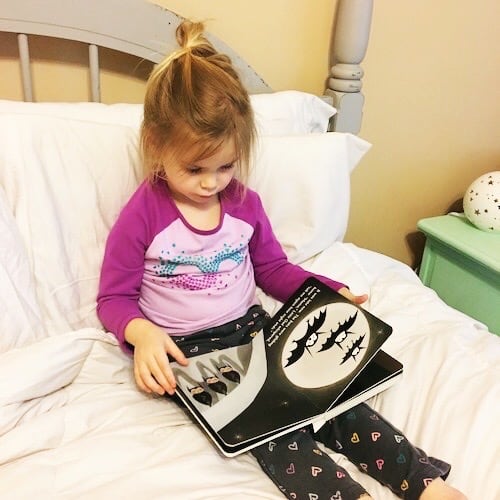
285	41
431	86
432	113
432	108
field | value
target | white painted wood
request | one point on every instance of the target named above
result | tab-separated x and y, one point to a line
24	61
135	27
95	82
350	41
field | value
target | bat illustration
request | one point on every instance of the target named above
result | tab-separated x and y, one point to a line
354	350
340	334
308	340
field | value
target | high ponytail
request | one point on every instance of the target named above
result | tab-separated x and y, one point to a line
191	39
194	102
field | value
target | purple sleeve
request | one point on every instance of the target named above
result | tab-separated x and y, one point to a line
273	272
123	267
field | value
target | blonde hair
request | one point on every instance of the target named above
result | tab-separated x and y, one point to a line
194	102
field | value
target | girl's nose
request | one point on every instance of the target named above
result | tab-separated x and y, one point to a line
209	182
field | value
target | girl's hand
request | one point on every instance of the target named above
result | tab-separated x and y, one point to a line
356	299
151	346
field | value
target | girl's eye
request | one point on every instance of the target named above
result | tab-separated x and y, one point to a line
193	170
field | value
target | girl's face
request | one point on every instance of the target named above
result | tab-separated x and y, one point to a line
199	183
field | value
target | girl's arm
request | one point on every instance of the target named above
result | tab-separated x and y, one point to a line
118	299
273	272
121	274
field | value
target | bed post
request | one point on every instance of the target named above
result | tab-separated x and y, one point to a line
349	44
24	59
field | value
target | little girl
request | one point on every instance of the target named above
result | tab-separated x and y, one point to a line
187	252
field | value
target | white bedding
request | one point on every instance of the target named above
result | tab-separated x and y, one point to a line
73	424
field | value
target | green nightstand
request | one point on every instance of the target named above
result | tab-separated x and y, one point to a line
462	264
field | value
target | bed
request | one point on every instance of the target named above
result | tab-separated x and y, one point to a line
72	422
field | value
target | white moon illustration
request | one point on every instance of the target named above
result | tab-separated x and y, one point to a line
327	345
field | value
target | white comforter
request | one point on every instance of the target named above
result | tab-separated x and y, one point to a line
73	425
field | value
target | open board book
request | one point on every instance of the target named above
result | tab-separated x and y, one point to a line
316	358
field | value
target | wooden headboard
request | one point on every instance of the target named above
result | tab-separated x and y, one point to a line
146	30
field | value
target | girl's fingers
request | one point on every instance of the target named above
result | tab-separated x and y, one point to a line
357	299
146	378
360	299
139	381
152	369
164	375
175	352
172	383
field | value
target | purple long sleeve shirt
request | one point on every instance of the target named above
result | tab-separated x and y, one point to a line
157	266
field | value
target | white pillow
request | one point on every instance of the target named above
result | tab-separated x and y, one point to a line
304	183
128	115
278	113
67	169
66	172
290	112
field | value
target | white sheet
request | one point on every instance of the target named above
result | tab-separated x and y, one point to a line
73	424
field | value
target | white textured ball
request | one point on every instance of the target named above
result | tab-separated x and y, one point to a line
482	202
